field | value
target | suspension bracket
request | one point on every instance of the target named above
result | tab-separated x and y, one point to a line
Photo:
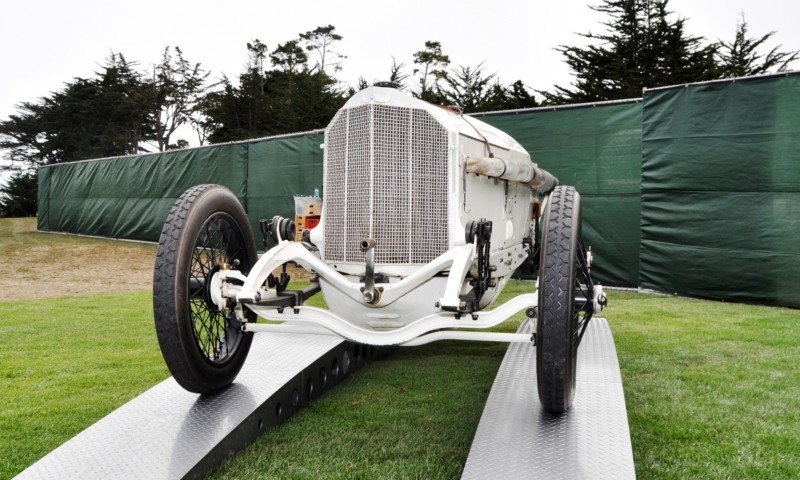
479	233
370	293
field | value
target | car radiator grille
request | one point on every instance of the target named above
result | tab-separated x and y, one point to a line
386	179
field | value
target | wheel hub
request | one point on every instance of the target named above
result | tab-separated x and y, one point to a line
212	293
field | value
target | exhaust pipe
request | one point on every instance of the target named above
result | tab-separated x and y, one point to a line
515	170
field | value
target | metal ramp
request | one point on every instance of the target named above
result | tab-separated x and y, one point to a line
169	433
516	439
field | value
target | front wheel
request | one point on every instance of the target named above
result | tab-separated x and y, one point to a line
203	346
559	324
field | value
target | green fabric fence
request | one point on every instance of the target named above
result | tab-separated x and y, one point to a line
694	190
129	197
597	149
721	190
43	199
279	169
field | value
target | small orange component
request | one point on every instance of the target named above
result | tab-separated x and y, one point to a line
303	223
536	209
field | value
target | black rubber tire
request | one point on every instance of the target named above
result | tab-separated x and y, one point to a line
556	344
189	365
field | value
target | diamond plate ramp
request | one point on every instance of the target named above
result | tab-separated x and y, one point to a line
169	433
517	439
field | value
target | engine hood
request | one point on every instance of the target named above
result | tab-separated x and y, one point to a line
449	118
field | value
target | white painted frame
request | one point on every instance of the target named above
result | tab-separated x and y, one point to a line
311	320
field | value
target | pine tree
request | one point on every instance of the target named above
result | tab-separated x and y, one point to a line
289	57
468	88
741	57
644	46
240	112
321	41
105	115
18	196
397	74
360	85
289	97
519	96
513	97
178	86
432	71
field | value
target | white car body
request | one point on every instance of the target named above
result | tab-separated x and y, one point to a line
397	174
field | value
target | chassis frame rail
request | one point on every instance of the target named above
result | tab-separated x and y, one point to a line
316	318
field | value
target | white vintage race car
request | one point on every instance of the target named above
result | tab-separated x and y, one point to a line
427	213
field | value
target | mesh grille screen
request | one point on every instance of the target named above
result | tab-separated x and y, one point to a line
335	182
385	178
429	189
356	198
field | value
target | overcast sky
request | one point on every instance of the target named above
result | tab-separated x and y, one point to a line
45	43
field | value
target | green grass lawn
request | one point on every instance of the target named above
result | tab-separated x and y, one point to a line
65	363
712	392
713	389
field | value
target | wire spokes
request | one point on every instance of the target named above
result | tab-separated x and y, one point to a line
219	242
584	295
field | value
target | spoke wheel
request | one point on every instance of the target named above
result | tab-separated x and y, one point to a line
219	242
564	300
202	344
584	294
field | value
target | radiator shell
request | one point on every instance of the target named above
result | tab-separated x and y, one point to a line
386	170
395	171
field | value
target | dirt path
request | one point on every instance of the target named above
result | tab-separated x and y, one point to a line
51	265
46	265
